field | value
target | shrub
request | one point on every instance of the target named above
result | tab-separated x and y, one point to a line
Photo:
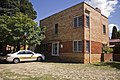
107	50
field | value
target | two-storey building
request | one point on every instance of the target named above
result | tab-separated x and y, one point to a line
76	34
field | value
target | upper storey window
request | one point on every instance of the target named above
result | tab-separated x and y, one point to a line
104	29
56	29
78	21
87	21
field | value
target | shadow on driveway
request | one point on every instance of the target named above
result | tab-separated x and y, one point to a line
111	64
4	62
46	61
51	61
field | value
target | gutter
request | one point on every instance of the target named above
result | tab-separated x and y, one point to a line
90	39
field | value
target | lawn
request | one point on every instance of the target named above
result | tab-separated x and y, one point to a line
60	71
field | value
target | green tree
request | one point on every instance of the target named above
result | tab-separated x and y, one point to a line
11	7
118	34
20	30
114	33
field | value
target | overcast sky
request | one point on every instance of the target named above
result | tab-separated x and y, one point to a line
109	8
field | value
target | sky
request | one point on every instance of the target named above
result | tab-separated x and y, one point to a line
109	8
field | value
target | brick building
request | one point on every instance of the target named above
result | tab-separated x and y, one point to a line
76	34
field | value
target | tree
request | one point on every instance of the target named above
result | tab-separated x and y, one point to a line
11	7
20	30
118	34
114	33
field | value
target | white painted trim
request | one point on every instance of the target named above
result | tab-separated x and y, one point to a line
90	36
57	49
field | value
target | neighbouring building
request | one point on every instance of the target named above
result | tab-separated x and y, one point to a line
76	34
113	42
116	54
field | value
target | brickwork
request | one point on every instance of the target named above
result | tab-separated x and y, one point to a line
94	58
72	57
67	47
66	31
96	26
96	47
106	57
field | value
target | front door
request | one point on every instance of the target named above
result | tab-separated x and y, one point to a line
55	49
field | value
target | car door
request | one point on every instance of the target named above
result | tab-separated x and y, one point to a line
31	55
22	56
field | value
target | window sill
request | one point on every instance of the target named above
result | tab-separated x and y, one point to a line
55	35
55	54
104	33
87	26
77	51
87	51
77	27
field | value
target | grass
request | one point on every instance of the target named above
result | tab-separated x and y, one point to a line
13	76
68	69
7	75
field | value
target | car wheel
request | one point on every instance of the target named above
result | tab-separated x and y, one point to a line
39	59
16	60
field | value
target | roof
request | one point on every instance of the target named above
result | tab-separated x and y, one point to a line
114	40
111	46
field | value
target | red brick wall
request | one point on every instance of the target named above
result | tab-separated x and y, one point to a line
106	57
67	54
49	47
67	47
96	47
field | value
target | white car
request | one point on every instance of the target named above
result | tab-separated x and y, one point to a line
25	55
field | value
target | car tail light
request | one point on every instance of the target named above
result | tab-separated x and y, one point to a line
8	55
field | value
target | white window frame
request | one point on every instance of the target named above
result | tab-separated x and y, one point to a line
77	45
57	48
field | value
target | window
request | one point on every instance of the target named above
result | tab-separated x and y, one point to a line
56	29
78	21
23	52
55	49
87	46
104	29
87	21
28	52
75	22
77	46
